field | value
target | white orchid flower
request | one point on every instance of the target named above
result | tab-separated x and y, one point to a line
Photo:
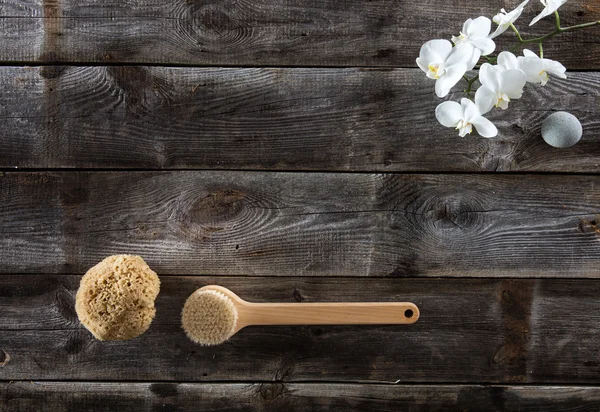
504	19
499	86
463	117
476	32
550	6
538	69
447	64
508	61
475	55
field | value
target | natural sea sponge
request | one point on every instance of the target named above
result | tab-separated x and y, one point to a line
115	300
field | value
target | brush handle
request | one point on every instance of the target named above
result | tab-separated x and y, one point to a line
370	313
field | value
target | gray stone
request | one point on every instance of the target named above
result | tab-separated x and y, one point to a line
561	129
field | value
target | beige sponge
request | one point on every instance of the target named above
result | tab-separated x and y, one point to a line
115	300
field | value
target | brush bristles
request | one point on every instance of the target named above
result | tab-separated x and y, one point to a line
209	317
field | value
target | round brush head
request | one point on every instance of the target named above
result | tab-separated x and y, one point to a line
209	317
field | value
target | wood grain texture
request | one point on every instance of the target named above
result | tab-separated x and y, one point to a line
265	397
302	224
261	32
324	86
274	119
470	330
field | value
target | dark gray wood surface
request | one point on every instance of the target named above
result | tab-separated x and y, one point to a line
301	397
471	330
273	118
304	112
303	224
263	32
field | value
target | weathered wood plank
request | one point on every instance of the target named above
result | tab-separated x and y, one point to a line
302	224
470	330
263	397
316	119
263	32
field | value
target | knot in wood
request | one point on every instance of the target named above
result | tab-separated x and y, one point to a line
500	155
75	344
297	296
271	391
200	218
51	72
130	79
135	86
221	23
506	353
65	304
450	214
164	390
218	207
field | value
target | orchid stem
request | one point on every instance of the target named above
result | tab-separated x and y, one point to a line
512	26
556	31
580	26
470	84
541	51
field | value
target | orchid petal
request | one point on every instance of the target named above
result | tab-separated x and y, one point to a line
550	7
532	67
499	30
423	65
448	113
538	18
442	87
504	19
448	81
546	12
537	69
522	5
555	68
508	60
487	76
469	108
460	54
476	54
476	32
484	127
512	83
485	44
434	51
480	27
485	98
466	25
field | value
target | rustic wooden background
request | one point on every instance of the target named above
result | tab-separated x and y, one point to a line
289	150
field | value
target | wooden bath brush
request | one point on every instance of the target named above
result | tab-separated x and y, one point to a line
213	314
